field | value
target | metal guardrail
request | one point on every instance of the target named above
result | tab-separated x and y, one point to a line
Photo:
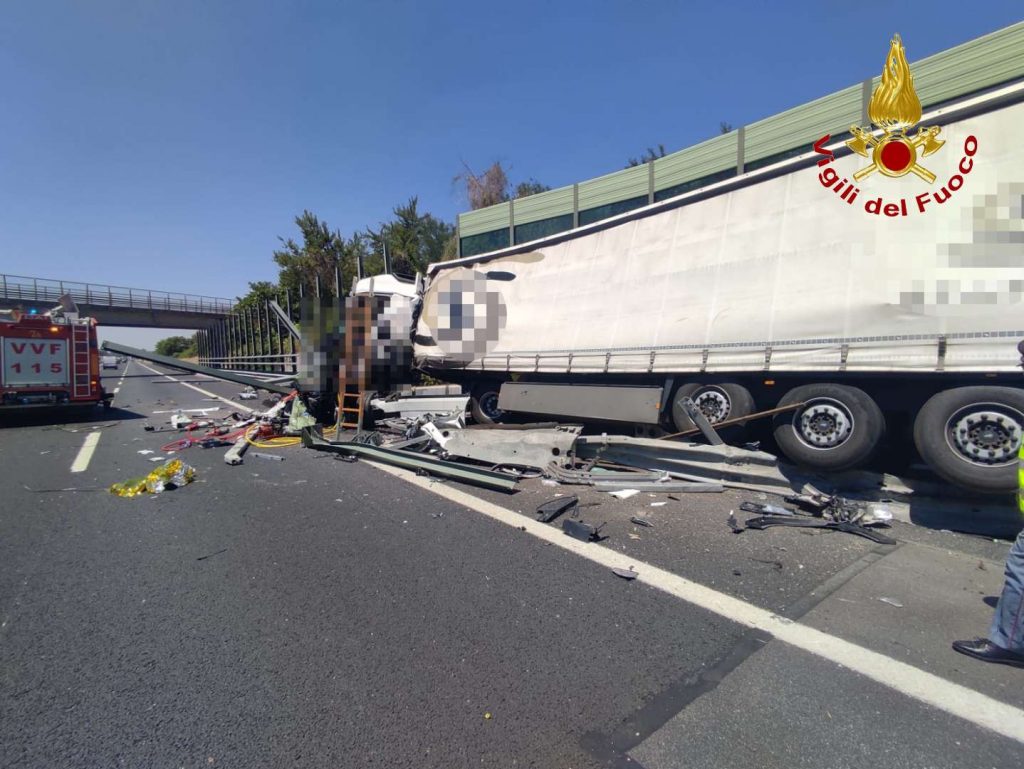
24	289
286	363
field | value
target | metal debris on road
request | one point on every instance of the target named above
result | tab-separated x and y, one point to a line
641	522
891	602
581	531
548	511
624	493
261	455
627	574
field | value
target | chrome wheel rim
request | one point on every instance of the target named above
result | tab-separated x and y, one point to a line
824	423
986	434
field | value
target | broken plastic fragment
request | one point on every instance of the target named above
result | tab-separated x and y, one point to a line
625	573
624	493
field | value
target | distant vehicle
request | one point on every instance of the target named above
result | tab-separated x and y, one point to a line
109	361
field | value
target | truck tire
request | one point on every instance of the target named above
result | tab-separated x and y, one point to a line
970	436
483	405
839	428
718	402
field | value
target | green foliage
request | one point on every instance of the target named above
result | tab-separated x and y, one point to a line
493	186
649	154
413	240
177	346
260	292
323	257
530	187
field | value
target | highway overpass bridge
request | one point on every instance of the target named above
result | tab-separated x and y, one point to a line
258	337
116	305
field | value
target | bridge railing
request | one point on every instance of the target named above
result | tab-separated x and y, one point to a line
44	291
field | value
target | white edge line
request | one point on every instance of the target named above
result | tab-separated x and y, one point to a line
928	688
231	403
85	453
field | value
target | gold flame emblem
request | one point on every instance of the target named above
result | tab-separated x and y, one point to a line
895	108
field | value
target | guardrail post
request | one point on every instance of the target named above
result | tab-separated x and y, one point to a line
110	298
150	300
87	301
131	299
35	289
5	285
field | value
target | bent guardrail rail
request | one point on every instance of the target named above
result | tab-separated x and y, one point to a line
19	288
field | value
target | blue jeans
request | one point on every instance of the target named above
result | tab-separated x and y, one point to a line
1007	628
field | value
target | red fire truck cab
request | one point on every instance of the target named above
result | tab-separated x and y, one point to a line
50	359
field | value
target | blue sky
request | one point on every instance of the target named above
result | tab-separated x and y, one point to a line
167	144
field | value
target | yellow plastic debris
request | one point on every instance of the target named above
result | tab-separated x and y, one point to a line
169	475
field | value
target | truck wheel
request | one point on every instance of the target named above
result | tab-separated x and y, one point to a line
838	428
483	405
970	436
718	402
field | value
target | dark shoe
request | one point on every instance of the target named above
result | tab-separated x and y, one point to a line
986	651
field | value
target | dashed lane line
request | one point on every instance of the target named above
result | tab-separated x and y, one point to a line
85	453
236	406
930	689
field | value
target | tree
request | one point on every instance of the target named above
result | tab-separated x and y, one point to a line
314	262
260	292
486	189
413	240
724	128
648	155
177	346
530	187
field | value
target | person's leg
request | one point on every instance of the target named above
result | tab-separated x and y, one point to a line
1007	629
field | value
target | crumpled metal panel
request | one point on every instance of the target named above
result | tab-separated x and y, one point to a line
531	447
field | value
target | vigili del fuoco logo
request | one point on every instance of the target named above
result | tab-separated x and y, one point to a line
894	109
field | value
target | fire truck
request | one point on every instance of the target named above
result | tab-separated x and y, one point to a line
49	359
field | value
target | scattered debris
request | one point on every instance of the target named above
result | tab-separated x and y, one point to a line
261	455
204	557
676	486
736	528
658	504
754	507
234	454
891	602
525	445
641	522
548	511
766	521
248	394
627	574
581	531
624	493
145	451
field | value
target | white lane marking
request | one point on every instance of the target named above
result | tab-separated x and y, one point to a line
957	700
85	453
236	406
117	390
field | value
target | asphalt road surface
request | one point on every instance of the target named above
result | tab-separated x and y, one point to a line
314	613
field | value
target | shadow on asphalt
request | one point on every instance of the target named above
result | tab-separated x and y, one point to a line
58	417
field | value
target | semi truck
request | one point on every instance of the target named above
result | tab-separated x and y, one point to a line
886	302
49	359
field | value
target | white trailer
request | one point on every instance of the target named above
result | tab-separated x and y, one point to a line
882	303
